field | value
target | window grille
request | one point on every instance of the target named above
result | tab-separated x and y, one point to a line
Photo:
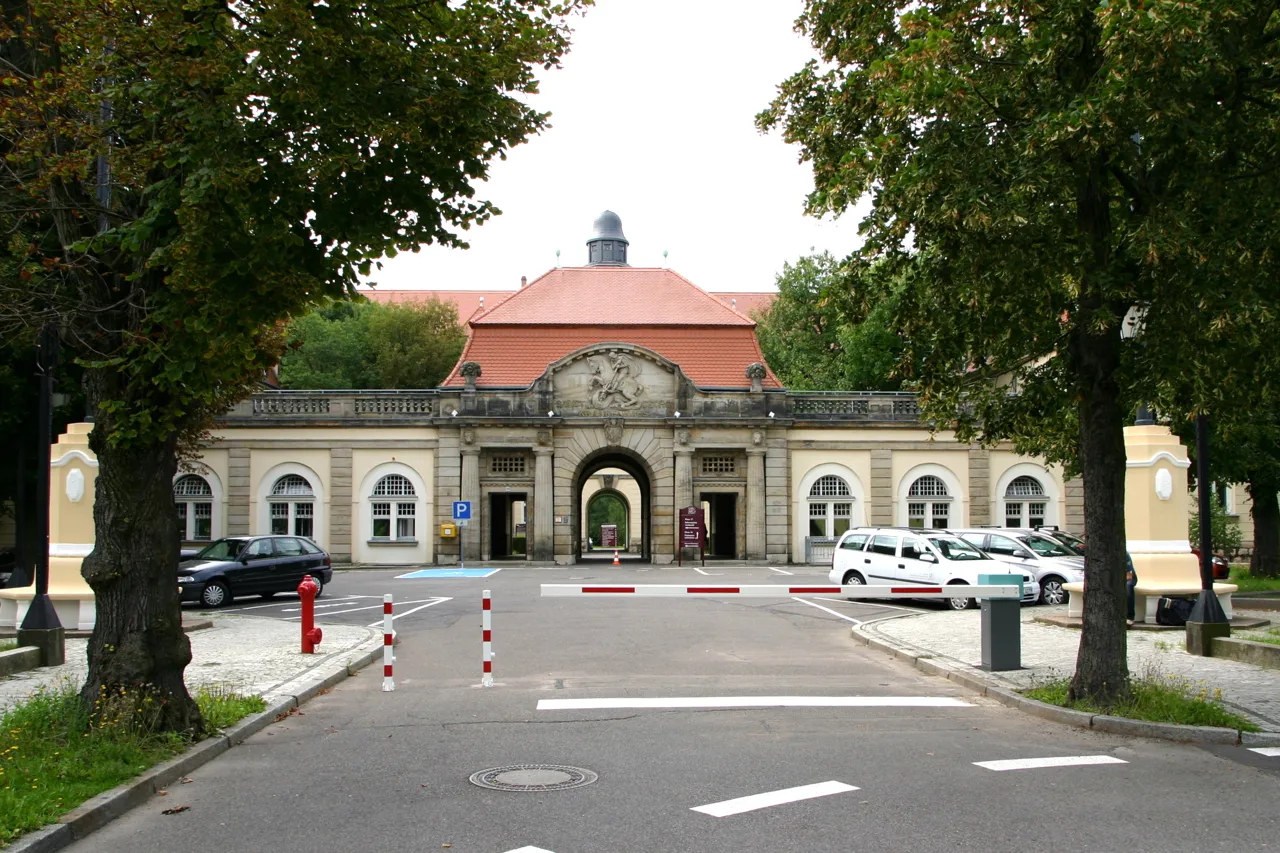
1024	487
830	486
394	485
292	484
928	486
192	486
719	465
507	465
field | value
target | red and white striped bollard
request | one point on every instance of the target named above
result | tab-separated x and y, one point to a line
388	635
486	625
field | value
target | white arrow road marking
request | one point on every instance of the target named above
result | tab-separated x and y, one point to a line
529	850
1269	751
1059	761
396	616
829	610
773	798
756	702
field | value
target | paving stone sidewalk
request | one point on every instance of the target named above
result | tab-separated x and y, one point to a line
247	654
1049	651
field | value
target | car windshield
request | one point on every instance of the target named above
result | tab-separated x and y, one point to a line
953	548
223	549
1069	539
1046	547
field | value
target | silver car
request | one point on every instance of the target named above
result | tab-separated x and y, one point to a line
1050	562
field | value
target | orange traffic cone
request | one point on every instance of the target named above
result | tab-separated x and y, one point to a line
616	561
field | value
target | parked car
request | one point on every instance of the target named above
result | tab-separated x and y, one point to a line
1063	537
1221	568
1052	563
252	565
880	555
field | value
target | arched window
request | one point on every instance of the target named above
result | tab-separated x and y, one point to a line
193	500
1025	503
399	515
292	506
830	507
928	503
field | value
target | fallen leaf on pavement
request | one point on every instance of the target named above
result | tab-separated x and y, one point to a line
162	793
186	781
175	810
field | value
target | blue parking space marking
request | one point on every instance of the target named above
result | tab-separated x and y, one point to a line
450	573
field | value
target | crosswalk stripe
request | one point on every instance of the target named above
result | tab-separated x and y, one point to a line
1058	761
773	798
1269	751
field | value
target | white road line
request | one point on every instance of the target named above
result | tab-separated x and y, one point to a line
756	702
333	602
396	616
868	604
377	606
708	574
774	798
234	609
780	571
1059	761
529	850
1269	751
828	610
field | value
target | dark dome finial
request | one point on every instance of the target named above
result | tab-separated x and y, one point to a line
607	245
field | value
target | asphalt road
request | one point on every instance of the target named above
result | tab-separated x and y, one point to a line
360	769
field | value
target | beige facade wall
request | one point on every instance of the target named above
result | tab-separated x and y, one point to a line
367	468
1006	466
951	465
266	466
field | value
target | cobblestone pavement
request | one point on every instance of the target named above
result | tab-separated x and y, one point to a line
1049	651
242	653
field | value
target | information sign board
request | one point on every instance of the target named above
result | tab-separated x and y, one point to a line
609	536
693	532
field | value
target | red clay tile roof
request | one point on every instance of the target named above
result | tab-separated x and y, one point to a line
468	302
594	296
515	355
747	301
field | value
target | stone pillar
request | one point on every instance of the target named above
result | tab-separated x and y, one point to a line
979	487
238	523
755	504
544	507
470	534
684	480
340	520
882	499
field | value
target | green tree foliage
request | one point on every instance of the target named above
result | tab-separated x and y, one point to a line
816	338
363	344
1224	529
1041	169
606	508
183	176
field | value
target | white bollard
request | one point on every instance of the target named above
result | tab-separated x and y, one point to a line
486	625
388	635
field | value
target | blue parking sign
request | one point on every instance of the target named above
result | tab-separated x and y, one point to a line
461	510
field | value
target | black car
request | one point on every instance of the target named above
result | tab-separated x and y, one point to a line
252	565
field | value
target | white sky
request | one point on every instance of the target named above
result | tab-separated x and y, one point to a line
652	118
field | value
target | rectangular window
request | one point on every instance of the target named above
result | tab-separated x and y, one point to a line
1035	511
719	465
818	519
915	515
854	542
204	522
887	545
1013	514
842	513
302	519
507	465
382	521
182	519
941	512
405	520
910	548
280	519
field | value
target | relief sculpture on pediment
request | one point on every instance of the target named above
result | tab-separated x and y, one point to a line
614	381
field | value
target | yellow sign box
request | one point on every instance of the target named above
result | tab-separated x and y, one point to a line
448	531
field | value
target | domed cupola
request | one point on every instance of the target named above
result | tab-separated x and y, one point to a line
608	245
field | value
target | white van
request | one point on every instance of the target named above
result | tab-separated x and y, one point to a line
885	555
1052	563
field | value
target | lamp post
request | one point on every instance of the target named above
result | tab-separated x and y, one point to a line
41	627
1207	609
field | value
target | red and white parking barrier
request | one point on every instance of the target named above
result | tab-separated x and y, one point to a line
388	637
766	590
486	626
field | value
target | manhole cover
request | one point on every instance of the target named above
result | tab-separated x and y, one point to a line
533	777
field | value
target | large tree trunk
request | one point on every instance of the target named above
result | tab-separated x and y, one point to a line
1265	560
138	650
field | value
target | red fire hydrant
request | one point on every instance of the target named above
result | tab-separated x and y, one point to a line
310	633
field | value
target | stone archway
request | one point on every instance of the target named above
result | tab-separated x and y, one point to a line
607	495
633	465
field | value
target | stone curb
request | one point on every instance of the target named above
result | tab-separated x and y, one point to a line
98	811
21	659
1098	722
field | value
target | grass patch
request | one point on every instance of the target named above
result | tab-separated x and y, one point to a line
1271	635
1155	698
8	645
51	760
1248	583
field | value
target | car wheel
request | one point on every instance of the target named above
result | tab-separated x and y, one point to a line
959	603
215	594
315	579
854	579
1051	591
267	596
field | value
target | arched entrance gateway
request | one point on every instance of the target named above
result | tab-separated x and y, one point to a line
635	467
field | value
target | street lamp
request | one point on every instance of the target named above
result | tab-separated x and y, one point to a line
1207	608
41	626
